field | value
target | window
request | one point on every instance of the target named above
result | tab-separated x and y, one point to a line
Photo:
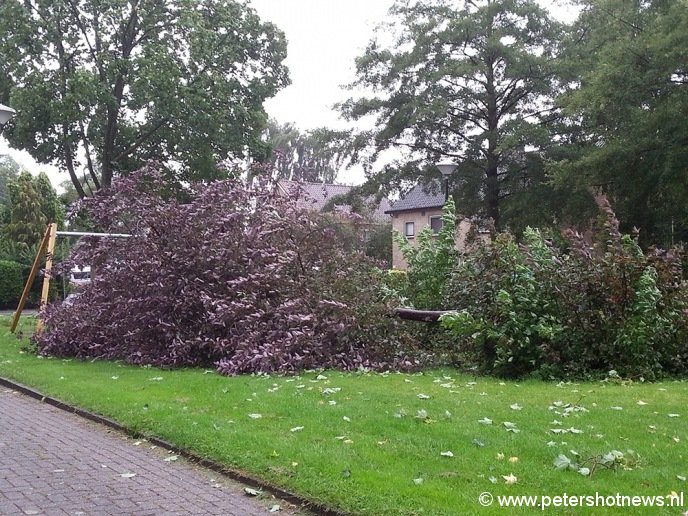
409	229
436	223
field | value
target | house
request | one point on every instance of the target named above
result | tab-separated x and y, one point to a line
422	207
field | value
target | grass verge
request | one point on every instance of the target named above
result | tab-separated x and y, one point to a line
378	443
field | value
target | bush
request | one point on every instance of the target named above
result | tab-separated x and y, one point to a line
241	279
539	308
11	283
430	262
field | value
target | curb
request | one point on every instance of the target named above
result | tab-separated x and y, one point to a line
235	475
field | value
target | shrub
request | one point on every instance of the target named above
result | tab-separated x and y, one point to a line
11	283
430	262
239	278
539	308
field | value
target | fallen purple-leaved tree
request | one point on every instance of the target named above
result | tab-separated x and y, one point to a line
236	278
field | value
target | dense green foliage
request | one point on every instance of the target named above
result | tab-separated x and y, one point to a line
27	221
627	106
471	82
31	204
105	86
539	116
430	263
572	310
11	283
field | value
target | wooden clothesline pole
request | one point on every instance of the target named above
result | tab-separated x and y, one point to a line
50	251
47	248
32	276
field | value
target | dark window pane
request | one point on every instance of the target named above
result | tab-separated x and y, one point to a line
436	224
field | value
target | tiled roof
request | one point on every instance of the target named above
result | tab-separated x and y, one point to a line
316	195
420	197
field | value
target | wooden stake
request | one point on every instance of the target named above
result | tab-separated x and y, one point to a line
48	268
30	280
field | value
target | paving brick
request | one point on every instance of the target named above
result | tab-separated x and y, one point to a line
56	463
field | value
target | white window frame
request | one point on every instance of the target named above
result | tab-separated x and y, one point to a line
412	225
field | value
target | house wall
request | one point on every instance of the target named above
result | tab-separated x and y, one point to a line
421	219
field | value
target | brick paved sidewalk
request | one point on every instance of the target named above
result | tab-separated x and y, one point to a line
56	463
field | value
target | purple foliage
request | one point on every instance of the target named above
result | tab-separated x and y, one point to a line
244	280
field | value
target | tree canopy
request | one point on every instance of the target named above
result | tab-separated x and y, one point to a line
628	111
104	85
467	81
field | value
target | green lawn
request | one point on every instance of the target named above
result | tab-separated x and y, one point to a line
376	443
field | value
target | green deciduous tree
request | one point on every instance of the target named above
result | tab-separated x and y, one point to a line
628	112
27	222
118	82
469	81
32	204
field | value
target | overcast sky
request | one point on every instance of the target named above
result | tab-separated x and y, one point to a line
324	37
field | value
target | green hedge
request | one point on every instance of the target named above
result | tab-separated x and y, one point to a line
11	283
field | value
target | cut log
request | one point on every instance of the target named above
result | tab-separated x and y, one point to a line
410	314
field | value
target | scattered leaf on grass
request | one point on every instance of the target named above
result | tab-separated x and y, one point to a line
156	379
255	416
500	456
446	454
346	473
347	419
513	460
641	402
478	443
511	427
616	408
422	396
681	478
296	429
515	406
674	415
485	421
493	480
562	462
510	479
418	481
584	471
